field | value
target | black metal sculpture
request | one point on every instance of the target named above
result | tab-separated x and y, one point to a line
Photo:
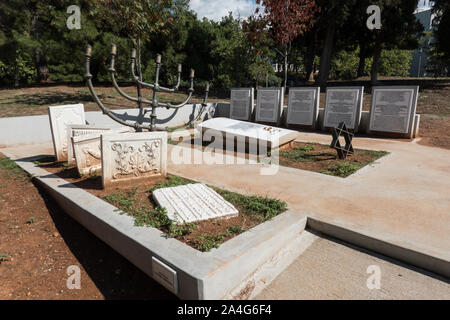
139	100
341	129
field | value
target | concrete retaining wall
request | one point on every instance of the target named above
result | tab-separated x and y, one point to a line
36	129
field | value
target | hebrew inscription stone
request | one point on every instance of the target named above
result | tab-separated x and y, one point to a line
193	202
343	104
129	156
269	104
241	103
393	109
303	106
60	118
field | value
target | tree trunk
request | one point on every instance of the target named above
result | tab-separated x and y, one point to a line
309	61
285	66
375	64
362	60
325	58
41	65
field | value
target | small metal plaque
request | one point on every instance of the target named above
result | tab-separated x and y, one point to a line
165	275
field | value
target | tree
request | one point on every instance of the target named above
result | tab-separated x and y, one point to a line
400	30
285	20
333	16
441	26
440	46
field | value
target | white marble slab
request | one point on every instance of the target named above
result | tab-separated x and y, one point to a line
74	130
303	106
252	132
129	156
343	104
88	154
241	103
193	202
60	118
393	109
269	105
87	150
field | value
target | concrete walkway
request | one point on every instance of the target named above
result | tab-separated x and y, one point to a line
331	270
404	198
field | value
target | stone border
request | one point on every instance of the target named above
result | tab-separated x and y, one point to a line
200	275
404	254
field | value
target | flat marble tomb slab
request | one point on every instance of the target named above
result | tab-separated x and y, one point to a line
252	132
193	202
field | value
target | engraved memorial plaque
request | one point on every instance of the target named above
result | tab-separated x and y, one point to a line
343	104
269	104
165	275
393	109
241	103
303	106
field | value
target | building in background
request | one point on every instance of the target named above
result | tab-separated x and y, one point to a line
420	56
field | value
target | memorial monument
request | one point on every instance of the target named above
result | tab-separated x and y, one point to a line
343	104
303	106
242	101
269	105
393	110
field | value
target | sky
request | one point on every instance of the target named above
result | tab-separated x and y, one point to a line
216	9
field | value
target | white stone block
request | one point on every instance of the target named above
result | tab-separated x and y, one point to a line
88	155
60	118
193	202
129	156
74	130
87	150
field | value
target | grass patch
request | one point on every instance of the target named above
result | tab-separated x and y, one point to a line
323	159
262	207
148	214
344	169
207	242
4	257
11	170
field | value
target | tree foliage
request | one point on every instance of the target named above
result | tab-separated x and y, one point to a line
328	35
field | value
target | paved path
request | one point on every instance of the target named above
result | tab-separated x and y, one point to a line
404	198
331	270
